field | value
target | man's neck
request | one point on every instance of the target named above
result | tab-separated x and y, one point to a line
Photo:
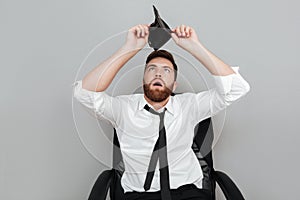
157	105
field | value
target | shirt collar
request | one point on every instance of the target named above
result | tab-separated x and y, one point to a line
170	104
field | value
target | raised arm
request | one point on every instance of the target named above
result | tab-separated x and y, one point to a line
100	77
186	37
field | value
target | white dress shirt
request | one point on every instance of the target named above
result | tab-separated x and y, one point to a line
138	130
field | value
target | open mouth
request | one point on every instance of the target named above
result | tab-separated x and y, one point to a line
157	83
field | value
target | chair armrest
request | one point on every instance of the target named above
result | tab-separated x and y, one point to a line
228	187
101	186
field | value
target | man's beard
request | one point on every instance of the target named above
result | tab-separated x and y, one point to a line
157	95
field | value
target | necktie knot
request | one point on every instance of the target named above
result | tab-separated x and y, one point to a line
151	110
160	114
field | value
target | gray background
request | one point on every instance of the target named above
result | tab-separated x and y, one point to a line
43	44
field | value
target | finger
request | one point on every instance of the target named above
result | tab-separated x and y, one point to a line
146	29
182	30
188	31
137	31
177	31
146	37
141	27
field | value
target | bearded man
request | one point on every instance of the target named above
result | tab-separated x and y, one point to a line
156	129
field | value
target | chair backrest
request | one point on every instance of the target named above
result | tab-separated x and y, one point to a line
202	146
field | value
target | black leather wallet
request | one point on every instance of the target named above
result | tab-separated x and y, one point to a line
159	32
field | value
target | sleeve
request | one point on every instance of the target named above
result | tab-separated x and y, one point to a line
98	104
228	89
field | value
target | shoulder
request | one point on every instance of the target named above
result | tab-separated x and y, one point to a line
190	96
184	96
129	98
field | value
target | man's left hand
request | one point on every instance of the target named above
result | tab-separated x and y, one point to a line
185	37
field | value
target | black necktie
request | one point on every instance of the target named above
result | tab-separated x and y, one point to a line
160	151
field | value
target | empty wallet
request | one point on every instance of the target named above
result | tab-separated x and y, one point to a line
159	32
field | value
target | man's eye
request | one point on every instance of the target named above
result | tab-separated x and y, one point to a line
167	70
151	68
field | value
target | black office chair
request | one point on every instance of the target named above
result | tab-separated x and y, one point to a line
110	180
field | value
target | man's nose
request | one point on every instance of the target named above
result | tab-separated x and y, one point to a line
158	73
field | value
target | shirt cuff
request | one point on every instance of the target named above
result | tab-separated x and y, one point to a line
83	96
224	83
80	91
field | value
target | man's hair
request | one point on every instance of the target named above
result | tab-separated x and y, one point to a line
164	54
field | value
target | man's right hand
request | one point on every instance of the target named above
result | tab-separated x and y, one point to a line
137	37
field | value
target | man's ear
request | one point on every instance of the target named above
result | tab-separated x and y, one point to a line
174	86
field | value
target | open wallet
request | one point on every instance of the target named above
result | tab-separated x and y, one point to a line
159	32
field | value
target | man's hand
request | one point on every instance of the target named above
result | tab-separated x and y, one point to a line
185	37
101	76
137	37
